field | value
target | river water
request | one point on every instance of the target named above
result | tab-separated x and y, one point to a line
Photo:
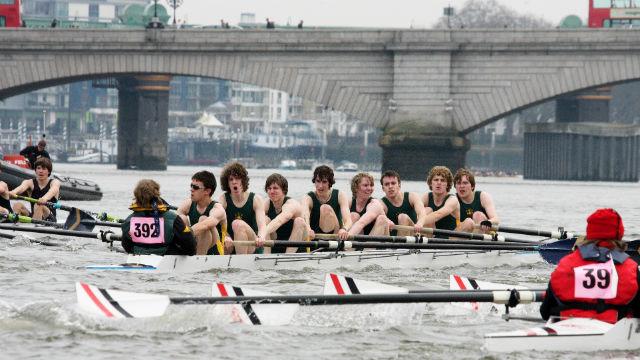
39	319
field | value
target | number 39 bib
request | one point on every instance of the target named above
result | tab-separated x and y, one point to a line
596	281
143	230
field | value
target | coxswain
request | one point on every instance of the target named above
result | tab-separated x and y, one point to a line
33	153
41	188
246	220
364	208
443	209
285	215
153	229
326	209
598	279
203	214
476	207
400	208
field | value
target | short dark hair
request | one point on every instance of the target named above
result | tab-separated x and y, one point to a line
390	173
464	172
207	179
278	180
45	163
323	172
237	170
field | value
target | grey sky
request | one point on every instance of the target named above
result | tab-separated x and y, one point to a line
359	13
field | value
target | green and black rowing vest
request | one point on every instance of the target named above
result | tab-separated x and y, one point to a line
284	231
367	229
446	223
145	238
467	210
245	213
394	211
194	215
315	210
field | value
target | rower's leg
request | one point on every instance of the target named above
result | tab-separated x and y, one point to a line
466	226
479	217
381	226
404	219
204	238
243	232
40	212
21	209
328	220
298	233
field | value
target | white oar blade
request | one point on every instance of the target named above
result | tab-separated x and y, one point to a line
457	282
335	284
119	304
252	314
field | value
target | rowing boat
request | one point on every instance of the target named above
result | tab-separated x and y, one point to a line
575	334
434	259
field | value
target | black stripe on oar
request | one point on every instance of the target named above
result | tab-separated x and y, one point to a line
352	285
114	303
473	283
247	308
550	331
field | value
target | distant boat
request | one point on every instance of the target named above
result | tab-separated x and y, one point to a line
90	158
288	165
347	166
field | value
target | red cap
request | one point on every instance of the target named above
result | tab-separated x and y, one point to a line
605	224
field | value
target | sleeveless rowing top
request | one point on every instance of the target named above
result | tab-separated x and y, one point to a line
194	214
467	210
448	222
315	210
244	213
5	203
394	211
367	229
284	231
37	193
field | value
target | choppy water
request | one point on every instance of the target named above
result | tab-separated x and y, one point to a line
39	319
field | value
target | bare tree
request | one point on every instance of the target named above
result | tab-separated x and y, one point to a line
491	14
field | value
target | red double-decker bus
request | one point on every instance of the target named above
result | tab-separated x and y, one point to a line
10	13
614	13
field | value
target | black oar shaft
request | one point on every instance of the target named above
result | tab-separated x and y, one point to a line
499	296
340	245
105	236
412	239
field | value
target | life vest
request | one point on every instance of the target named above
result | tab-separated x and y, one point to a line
595	282
148	234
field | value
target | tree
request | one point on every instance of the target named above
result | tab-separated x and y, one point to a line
490	14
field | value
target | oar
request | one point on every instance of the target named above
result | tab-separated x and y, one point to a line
85	213
558	234
461	234
413	239
28	220
101	235
344	245
113	303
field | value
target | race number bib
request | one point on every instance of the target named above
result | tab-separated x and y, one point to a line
143	230
596	281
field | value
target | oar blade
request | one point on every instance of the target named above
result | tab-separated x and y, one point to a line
119	304
252	314
554	251
457	282
79	220
335	284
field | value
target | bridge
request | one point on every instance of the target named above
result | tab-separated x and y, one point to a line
426	88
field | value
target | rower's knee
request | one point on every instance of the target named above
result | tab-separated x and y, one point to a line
479	217
299	222
355	217
238	225
381	219
326	210
404	219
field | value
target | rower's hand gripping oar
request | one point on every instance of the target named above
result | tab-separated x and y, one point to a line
121	304
461	234
559	234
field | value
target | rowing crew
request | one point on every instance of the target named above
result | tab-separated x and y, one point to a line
206	226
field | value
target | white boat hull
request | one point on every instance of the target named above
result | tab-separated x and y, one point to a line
576	334
326	260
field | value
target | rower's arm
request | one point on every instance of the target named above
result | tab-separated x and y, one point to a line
450	207
343	201
374	209
183	209
289	211
418	206
307	203
54	190
216	216
261	217
489	207
24	186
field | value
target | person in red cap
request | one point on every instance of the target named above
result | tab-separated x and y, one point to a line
598	280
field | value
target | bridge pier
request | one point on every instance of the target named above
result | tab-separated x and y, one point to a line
582	151
143	120
412	153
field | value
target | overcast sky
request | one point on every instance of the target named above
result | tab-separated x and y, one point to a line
359	13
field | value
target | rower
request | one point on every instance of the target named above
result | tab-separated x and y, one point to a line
476	207
33	153
5	198
246	220
400	208
364	208
326	209
285	215
598	279
203	214
152	228
443	210
41	188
